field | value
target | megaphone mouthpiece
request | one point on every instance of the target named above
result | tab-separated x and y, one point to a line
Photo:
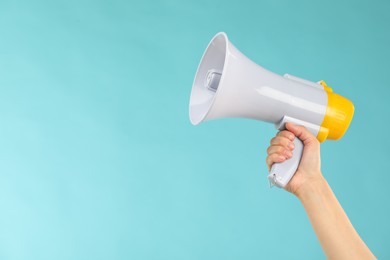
212	79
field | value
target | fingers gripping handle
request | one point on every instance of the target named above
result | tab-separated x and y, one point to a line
281	173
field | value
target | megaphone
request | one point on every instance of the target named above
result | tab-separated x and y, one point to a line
228	84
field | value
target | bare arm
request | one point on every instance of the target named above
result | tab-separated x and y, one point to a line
335	232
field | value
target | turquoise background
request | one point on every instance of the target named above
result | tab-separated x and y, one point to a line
98	159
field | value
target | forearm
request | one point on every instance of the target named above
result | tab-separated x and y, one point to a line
335	232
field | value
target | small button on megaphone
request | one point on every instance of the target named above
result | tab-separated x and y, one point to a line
227	84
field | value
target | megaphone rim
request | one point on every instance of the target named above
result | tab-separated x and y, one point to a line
226	42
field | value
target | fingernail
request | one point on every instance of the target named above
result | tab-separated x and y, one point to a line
291	145
289	154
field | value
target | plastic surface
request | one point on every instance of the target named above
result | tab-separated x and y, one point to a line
245	89
228	84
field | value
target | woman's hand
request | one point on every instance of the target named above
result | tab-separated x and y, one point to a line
281	149
335	232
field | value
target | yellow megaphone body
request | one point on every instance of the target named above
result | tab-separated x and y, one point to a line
228	84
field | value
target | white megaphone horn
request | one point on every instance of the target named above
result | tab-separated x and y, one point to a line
228	84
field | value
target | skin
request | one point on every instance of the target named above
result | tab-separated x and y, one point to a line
337	236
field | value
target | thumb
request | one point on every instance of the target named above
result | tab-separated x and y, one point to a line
302	133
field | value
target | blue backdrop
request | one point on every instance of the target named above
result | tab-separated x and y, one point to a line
98	159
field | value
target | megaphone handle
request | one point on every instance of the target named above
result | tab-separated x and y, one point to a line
281	173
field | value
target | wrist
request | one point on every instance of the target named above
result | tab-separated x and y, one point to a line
310	187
